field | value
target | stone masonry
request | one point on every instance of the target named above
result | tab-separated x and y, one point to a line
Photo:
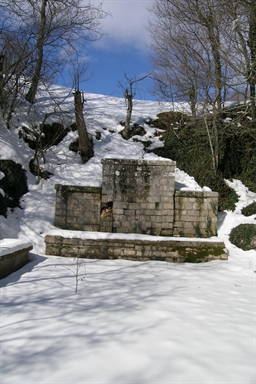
139	248
77	207
137	196
141	195
195	213
13	259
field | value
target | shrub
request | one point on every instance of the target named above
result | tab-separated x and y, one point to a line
187	143
167	120
14	184
250	209
244	236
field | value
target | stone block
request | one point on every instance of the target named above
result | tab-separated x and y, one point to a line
119	211
120	205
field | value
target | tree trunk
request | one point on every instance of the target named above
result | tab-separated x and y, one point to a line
213	151
126	131
85	144
252	46
1	78
215	47
193	100
30	96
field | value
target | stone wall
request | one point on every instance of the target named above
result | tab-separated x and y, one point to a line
195	213
14	259
77	207
141	195
141	248
137	196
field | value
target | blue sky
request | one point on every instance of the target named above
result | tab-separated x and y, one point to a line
110	68
124	50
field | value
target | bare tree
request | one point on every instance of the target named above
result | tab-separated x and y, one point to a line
1	75
181	71
187	38
45	126
129	94
241	32
30	96
189	32
79	262
55	30
16	57
85	143
252	47
205	49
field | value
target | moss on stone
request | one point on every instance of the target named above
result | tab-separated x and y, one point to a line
198	230
208	229
200	254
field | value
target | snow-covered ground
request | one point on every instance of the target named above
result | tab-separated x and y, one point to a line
130	322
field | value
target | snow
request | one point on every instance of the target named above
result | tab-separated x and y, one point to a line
124	236
12	245
130	322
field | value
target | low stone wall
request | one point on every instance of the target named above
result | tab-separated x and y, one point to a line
13	257
195	213
111	246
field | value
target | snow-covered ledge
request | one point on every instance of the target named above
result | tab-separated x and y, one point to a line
13	255
137	247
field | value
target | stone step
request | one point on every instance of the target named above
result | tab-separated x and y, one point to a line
96	245
13	255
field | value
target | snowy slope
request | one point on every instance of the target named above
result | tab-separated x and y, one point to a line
130	322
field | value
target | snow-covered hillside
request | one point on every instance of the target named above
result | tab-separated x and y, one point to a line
130	322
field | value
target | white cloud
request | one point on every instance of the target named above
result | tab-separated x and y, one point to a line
126	25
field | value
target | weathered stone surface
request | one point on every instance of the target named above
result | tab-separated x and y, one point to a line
195	213
167	249
13	261
137	190
77	207
137	196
